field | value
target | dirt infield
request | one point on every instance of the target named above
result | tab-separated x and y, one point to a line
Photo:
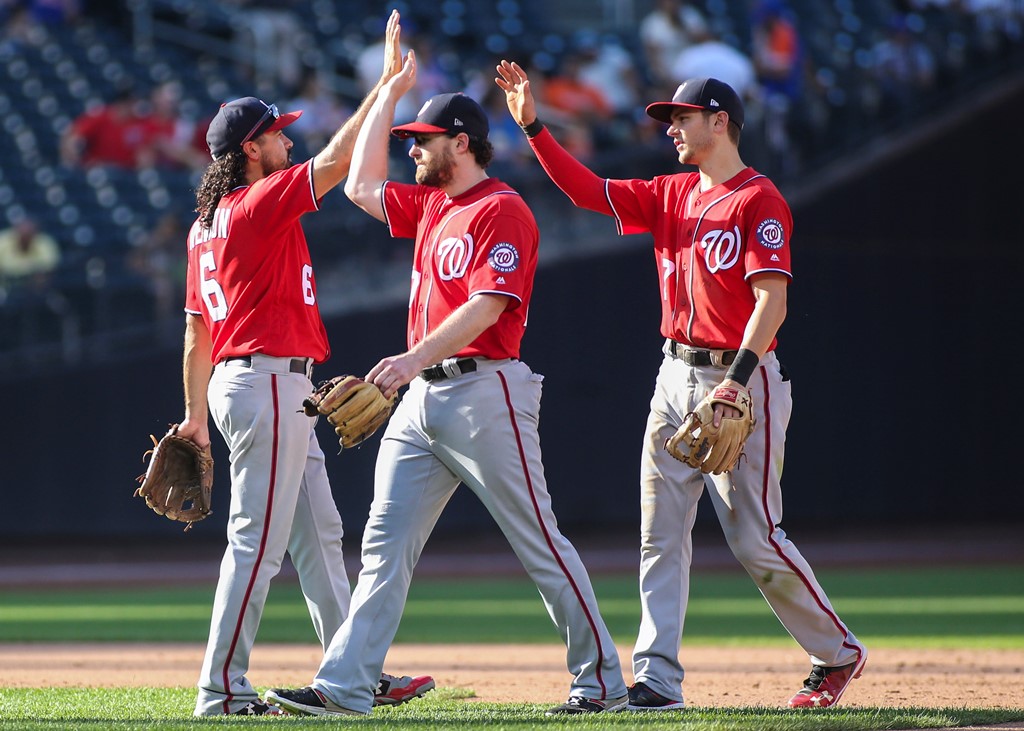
535	673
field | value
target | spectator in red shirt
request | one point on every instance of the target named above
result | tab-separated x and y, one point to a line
109	135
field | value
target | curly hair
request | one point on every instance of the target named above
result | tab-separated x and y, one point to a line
223	176
482	150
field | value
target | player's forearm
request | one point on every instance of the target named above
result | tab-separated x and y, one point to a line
768	315
461	328
196	368
370	158
333	163
584	188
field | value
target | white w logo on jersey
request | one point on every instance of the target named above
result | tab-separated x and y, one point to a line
721	249
453	257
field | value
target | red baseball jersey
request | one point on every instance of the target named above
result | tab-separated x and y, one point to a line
483	241
707	245
250	276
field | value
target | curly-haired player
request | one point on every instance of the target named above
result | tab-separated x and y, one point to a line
253	331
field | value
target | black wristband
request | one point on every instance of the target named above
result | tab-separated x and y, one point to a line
533	128
743	366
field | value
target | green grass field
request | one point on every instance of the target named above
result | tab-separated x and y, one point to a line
940	608
950	608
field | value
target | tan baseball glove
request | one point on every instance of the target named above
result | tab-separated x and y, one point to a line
355	408
178	483
699	444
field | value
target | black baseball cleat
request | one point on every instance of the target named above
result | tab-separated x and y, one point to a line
642	698
578	704
307	701
258	708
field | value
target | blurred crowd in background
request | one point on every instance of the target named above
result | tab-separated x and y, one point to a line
106	105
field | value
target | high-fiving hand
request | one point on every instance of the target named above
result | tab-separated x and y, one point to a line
512	80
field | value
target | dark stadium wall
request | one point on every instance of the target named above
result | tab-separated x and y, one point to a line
904	299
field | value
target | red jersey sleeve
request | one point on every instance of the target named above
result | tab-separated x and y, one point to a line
505	250
403	207
769	225
274	202
630	202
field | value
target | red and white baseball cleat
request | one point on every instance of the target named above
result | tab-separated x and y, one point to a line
392	690
825	686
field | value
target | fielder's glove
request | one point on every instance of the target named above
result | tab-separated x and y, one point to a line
179	473
355	408
699	444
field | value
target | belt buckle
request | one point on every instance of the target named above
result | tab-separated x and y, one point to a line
717	357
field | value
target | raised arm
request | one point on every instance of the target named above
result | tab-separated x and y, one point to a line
584	188
331	164
370	158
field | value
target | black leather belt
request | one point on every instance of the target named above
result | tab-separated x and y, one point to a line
297	365
701	357
449	368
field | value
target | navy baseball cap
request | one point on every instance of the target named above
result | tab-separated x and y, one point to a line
710	94
447	114
242	120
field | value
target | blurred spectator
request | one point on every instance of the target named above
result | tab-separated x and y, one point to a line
28	256
670	27
111	134
777	53
28	260
584	110
716	59
567	92
778	62
322	114
269	37
903	67
161	261
605	64
169	137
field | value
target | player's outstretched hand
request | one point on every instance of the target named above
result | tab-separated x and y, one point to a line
404	80
512	80
392	47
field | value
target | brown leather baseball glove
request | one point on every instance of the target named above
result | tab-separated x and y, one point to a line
355	408
180	474
699	444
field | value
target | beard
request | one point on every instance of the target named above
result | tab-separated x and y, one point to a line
437	172
268	166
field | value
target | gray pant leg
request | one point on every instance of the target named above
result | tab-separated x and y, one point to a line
411	488
669	495
756	538
499	458
315	548
264	491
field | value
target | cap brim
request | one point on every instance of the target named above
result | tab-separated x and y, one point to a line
662	111
284	120
416	128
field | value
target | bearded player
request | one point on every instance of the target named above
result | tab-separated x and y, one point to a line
721	242
471	411
253	332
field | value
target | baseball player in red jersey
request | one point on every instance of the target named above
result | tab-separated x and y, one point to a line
253	331
471	411
722	247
